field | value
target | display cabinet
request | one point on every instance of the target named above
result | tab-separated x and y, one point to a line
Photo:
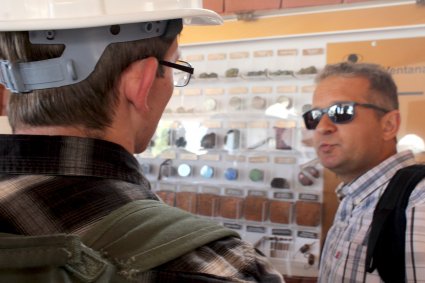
231	146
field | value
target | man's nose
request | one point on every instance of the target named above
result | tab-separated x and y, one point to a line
325	125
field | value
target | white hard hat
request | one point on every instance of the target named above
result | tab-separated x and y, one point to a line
26	15
85	28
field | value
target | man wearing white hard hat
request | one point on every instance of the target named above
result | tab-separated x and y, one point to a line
89	80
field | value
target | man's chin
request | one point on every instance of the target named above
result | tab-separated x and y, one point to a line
329	162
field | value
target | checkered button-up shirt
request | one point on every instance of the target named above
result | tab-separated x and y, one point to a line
344	254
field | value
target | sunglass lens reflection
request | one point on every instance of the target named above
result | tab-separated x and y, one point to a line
338	113
341	113
312	118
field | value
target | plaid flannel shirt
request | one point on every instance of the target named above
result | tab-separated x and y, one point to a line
55	184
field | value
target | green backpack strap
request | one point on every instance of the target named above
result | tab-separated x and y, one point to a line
146	233
50	259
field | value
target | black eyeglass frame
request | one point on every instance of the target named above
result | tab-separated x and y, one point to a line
340	104
187	69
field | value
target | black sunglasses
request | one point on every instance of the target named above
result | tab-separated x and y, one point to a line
339	113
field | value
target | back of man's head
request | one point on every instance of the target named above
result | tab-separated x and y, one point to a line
62	60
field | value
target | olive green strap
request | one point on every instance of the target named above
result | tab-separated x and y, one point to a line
144	234
50	258
136	237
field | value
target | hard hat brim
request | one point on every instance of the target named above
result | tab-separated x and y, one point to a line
189	16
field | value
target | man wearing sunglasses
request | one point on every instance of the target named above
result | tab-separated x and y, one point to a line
89	82
355	119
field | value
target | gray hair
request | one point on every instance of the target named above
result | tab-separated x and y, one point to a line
380	80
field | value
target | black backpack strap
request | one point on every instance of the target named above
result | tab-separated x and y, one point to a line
386	244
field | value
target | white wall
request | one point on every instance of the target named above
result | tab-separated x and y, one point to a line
4	125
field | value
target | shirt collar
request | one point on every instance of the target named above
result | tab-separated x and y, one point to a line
374	179
71	156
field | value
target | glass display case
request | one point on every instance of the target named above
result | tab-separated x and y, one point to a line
231	146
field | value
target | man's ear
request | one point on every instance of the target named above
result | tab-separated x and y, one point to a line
137	80
390	124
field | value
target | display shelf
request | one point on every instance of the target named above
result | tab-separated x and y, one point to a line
234	149
275	75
